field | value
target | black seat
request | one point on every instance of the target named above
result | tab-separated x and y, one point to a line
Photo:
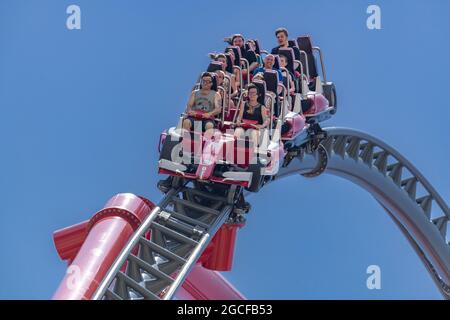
230	63
254	49
251	57
276	63
289	53
305	44
247	46
293	44
271	80
237	55
257	46
214	66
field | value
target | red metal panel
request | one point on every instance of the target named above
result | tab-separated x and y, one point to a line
93	246
108	232
221	249
69	240
204	284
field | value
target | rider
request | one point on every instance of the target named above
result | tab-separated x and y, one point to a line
268	65
282	38
203	99
220	76
252	110
223	60
287	75
238	41
236	71
283	42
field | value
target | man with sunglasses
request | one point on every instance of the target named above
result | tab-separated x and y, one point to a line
206	100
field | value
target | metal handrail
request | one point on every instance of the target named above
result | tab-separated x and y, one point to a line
307	63
245	61
322	64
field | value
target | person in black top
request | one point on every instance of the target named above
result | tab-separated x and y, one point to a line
238	41
282	38
287	75
283	42
251	109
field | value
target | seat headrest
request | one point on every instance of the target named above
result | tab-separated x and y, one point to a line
276	63
289	54
292	43
257	46
230	63
214	66
262	90
305	44
237	54
251	56
271	79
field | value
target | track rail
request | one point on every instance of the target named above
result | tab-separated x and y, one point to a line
162	251
412	202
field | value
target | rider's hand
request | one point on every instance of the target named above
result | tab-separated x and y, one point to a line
207	115
191	113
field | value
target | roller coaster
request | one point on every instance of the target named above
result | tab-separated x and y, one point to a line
133	249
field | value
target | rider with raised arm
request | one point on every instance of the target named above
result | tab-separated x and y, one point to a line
205	100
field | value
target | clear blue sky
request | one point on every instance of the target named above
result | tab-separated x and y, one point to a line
81	113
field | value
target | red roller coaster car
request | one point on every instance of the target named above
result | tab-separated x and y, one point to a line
219	157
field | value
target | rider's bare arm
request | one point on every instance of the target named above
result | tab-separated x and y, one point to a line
291	85
265	116
234	91
241	112
217	106
237	76
253	66
190	103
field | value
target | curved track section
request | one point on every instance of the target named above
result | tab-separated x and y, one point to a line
412	202
165	247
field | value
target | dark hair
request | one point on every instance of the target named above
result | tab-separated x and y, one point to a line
206	74
283	56
284	30
253	86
